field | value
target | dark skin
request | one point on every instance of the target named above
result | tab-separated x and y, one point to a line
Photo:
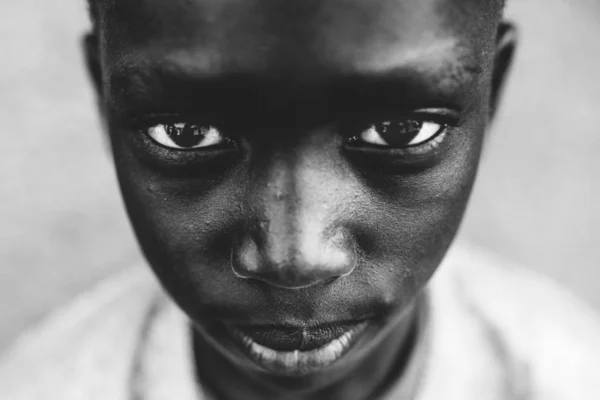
306	202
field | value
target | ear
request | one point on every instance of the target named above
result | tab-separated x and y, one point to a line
91	51
506	42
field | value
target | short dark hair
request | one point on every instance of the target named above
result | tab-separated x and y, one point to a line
93	11
93	8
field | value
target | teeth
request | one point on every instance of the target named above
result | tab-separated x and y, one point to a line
247	341
345	339
294	361
290	358
263	352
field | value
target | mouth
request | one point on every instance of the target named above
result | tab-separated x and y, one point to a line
293	351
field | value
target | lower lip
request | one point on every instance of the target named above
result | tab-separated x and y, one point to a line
298	362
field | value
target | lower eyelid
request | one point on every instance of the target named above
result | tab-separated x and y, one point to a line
213	135
429	145
431	131
414	150
161	157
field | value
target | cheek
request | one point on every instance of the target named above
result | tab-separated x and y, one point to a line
402	225
412	220
184	226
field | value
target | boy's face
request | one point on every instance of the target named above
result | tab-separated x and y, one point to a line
294	164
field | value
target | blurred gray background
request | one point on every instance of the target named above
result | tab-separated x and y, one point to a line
62	226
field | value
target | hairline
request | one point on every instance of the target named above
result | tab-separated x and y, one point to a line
93	10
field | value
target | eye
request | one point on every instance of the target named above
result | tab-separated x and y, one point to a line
184	135
400	134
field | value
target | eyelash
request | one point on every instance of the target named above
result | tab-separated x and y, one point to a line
433	138
447	120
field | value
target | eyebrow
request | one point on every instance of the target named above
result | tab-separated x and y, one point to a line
138	81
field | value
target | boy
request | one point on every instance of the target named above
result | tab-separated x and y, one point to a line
295	173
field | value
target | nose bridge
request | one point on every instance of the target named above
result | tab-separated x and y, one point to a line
296	224
280	207
295	240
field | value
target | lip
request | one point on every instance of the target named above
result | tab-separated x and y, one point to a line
287	351
283	338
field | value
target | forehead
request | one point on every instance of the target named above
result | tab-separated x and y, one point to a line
304	34
300	38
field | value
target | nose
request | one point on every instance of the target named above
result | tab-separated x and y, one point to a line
294	261
296	237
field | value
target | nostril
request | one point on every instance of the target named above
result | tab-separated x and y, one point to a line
246	260
293	258
288	277
304	266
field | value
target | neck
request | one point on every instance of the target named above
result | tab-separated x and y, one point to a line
383	366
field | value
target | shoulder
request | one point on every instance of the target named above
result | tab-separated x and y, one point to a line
85	347
552	335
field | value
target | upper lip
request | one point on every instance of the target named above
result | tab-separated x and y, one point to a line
286	337
280	319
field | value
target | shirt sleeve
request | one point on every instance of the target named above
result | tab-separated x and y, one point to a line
553	335
83	350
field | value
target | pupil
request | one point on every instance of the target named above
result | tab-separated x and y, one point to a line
399	134
187	135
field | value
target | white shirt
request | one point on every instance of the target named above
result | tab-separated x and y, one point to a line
493	331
